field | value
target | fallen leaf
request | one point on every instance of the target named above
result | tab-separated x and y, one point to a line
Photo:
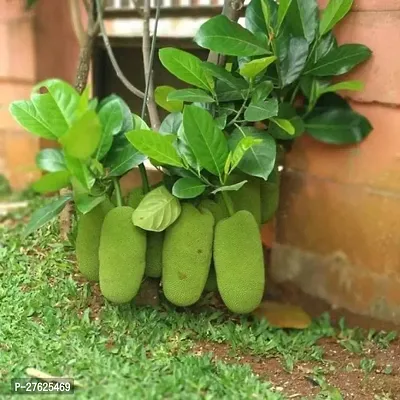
283	315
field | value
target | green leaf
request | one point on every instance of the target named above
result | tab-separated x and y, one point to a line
227	93
83	136
171	123
59	104
155	146
292	59
221	121
188	188
80	171
224	36
255	21
111	118
261	110
282	11
83	103
302	19
225	76
138	123
244	144
269	10
127	123
340	60
346	85
45	214
333	13
186	152
284	124
84	202
338	126
157	211
161	97
252	68
229	188
187	67
25	113
262	91
206	140
50	160
259	160
122	157
52	182
190	95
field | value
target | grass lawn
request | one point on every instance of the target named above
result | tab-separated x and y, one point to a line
52	320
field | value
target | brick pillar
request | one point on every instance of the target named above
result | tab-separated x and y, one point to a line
338	227
17	75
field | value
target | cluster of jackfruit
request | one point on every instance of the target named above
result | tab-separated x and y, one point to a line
204	250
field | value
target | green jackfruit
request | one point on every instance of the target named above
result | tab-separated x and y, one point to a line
88	240
135	197
239	262
122	255
270	196
211	284
187	255
155	242
248	197
218	210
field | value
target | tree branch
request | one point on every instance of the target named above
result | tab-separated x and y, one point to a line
148	58
231	9
111	55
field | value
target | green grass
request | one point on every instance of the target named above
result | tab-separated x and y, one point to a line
46	322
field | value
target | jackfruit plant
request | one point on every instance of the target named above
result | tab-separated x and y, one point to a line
217	150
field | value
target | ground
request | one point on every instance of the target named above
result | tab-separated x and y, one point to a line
52	320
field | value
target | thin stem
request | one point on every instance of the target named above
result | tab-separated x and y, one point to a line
293	97
228	203
144	178
241	109
117	189
111	55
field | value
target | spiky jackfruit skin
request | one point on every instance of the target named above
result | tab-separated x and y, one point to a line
88	240
122	256
239	262
270	196
218	211
248	197
211	284
135	197
187	255
155	242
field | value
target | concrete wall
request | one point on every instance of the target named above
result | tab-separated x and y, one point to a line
338	227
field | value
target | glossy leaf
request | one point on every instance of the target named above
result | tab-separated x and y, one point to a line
122	157
83	200
45	214
188	188
261	110
244	144
338	126
186	152
83	136
269	10
127	123
224	36
225	76
52	182
221	121
255	21
340	60
262	91
190	95
259	160
25	113
161	94
50	160
292	60
302	19
80	171
346	85
284	124
155	146
230	188
252	68
111	119
206	140
227	93
158	210
282	130
282	11
138	123
333	13
171	123
185	66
